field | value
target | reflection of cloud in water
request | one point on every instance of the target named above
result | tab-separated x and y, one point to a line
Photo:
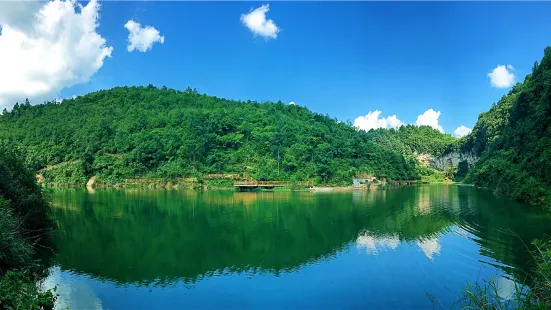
372	243
74	292
429	247
505	288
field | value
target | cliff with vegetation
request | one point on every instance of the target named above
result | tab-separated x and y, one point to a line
149	132
421	145
513	140
453	160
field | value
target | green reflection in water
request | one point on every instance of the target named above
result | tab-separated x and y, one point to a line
142	237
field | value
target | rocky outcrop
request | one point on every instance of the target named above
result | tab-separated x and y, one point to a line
424	159
452	160
91	182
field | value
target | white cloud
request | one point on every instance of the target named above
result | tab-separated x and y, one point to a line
429	118
292	103
258	24
372	121
502	77
393	122
45	47
142	38
461	131
19	14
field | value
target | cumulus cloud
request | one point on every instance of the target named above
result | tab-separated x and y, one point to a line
45	47
292	103
429	118
393	122
257	23
502	77
19	14
142	38
372	121
461	131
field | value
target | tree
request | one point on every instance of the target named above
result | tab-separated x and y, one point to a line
129	132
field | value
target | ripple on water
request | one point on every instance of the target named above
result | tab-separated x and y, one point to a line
323	250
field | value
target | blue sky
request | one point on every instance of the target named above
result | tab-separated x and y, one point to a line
341	59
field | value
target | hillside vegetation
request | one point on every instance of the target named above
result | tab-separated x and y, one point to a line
129	132
513	140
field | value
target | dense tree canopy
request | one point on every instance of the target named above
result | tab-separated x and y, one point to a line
150	132
410	139
514	140
24	223
23	210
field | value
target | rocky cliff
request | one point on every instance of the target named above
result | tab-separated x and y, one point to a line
452	160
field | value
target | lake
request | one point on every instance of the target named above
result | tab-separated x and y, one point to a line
412	247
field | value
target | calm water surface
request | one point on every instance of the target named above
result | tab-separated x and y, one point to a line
406	248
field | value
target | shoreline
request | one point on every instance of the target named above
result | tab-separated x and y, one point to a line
206	187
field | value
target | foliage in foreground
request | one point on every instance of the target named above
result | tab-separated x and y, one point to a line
18	290
24	223
486	296
537	296
23	196
542	285
14	249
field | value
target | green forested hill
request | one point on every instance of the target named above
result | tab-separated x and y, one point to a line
411	139
129	132
514	140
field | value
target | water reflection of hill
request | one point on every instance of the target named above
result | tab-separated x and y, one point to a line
136	236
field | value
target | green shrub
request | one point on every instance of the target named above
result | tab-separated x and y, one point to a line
18	290
219	183
24	222
18	186
14	249
65	174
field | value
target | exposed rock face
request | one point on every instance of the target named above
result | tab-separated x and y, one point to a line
424	159
452	160
91	182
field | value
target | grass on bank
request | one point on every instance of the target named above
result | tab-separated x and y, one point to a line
485	296
14	250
